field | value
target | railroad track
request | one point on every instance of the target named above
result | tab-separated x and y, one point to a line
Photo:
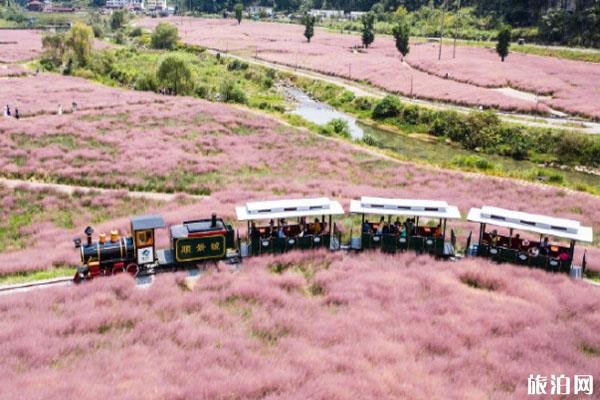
142	281
27	286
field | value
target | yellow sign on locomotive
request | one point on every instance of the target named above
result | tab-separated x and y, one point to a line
201	248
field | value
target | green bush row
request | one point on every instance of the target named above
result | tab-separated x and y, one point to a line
478	131
485	132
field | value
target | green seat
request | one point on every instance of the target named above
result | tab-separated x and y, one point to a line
483	250
566	266
508	255
325	240
376	241
366	241
522	258
554	264
539	261
279	245
429	244
416	243
255	247
266	246
305	242
494	253
389	243
402	243
291	243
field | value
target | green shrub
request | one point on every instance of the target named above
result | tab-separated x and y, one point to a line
363	103
472	162
120	37
338	127
410	114
237	65
388	107
448	124
98	31
165	36
347	97
136	32
267	83
174	73
202	91
232	93
369	140
549	176
146	81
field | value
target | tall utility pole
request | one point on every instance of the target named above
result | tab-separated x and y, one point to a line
456	29
442	29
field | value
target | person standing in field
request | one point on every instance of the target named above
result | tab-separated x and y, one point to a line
17	116
7	111
60	110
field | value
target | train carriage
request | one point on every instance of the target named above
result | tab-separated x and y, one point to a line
411	233
294	224
537	252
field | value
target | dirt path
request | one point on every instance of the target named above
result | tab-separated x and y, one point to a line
359	89
70	189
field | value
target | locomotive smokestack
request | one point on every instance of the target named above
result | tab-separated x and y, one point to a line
213	222
88	232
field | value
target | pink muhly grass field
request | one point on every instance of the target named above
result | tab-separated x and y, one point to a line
380	64
19	45
328	327
42	94
573	86
160	143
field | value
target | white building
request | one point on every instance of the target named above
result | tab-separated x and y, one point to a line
125	4
259	10
156	5
354	15
328	14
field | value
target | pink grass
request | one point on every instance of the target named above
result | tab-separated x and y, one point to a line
383	327
19	45
380	64
471	76
237	155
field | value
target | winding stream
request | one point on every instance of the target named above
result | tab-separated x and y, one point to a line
411	147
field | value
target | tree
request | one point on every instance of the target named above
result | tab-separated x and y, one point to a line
401	32
174	74
79	44
239	9
165	36
117	20
503	42
309	26
368	36
54	50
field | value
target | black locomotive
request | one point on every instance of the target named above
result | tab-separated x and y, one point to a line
192	242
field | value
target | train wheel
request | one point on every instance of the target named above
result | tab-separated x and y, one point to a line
133	269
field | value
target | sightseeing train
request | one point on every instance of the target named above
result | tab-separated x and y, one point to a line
399	225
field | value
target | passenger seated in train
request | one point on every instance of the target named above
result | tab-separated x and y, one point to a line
366	228
545	246
515	242
254	233
385	230
316	227
380	226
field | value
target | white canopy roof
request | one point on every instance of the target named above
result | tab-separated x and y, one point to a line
414	208
564	228
288	209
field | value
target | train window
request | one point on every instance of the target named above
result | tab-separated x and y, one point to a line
144	238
